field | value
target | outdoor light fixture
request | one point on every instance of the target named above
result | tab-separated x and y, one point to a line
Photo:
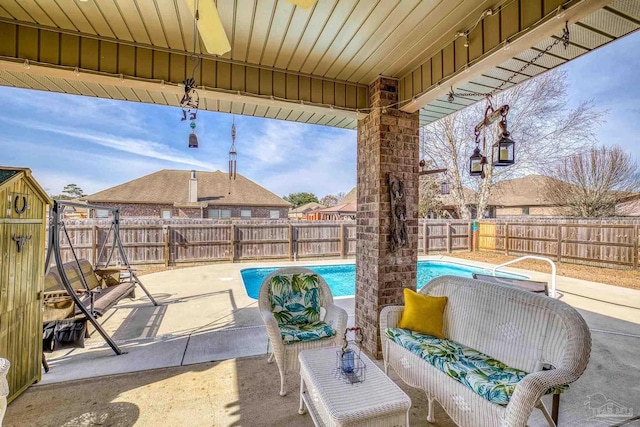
503	151
444	188
476	163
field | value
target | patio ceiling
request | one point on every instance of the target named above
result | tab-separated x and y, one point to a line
308	65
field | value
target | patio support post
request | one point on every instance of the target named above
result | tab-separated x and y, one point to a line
387	144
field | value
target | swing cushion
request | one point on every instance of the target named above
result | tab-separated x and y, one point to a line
110	296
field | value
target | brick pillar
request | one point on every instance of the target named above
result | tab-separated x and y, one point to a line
387	143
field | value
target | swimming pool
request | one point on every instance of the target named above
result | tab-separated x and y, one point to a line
341	278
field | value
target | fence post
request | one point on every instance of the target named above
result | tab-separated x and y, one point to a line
94	245
470	237
343	252
448	237
290	242
165	238
506	238
559	242
232	243
636	235
425	238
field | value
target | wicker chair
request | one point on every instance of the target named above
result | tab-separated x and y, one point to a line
286	355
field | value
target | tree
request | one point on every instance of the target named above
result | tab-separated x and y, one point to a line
332	199
70	191
592	183
429	197
539	121
299	199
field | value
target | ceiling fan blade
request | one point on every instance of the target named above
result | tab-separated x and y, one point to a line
210	27
305	4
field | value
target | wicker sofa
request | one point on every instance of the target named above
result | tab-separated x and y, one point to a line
544	342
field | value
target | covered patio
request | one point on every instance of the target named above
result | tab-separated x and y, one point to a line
202	354
383	68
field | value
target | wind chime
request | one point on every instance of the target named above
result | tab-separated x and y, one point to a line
502	152
191	100
233	154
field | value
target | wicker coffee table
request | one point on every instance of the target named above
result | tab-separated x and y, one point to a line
332	401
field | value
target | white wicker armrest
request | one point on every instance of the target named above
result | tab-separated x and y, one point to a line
529	391
336	318
273	331
390	316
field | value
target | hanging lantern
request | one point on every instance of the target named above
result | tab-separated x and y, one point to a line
444	188
193	138
475	163
503	151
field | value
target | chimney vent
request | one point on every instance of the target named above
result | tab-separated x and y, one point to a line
193	187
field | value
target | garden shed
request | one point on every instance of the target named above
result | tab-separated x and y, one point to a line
23	206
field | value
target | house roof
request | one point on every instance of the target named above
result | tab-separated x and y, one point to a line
307	207
526	191
340	208
172	187
629	208
351	197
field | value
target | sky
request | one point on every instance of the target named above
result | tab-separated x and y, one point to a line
97	143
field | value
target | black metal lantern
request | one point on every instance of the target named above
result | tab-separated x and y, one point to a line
444	188
193	141
476	163
503	151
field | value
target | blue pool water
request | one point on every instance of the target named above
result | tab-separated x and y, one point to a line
341	278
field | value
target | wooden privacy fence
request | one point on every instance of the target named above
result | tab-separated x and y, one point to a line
146	242
185	242
597	244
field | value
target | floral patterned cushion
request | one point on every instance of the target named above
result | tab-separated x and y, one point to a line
305	332
488	377
295	299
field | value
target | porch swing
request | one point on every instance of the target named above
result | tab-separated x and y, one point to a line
90	298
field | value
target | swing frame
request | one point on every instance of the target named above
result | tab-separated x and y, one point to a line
56	227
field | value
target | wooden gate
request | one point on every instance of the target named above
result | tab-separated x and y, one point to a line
487	235
22	236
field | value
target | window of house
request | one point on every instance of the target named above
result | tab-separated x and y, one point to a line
525	211
165	213
102	213
245	213
274	214
219	213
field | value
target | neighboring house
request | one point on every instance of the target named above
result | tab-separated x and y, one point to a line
450	208
301	211
524	196
190	194
629	207
347	208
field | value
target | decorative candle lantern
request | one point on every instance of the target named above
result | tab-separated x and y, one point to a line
503	151
475	163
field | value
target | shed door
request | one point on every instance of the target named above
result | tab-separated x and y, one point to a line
21	276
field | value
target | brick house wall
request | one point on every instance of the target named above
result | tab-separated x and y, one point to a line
143	210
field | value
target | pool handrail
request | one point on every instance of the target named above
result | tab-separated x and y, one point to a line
552	292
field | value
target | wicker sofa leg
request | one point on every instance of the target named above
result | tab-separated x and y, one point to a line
430	414
552	422
270	358
555	408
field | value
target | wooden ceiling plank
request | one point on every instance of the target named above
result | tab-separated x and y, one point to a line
321	13
185	22
133	21
16	11
110	11
259	30
363	37
244	21
383	38
277	31
151	19
298	26
97	21
171	25
350	29
79	20
332	27
36	11
227	13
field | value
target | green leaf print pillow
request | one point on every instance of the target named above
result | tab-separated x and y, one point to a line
295	298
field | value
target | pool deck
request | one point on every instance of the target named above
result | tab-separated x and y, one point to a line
205	316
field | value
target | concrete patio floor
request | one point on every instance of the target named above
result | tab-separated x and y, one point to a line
197	359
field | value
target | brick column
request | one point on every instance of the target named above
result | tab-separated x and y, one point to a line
387	143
